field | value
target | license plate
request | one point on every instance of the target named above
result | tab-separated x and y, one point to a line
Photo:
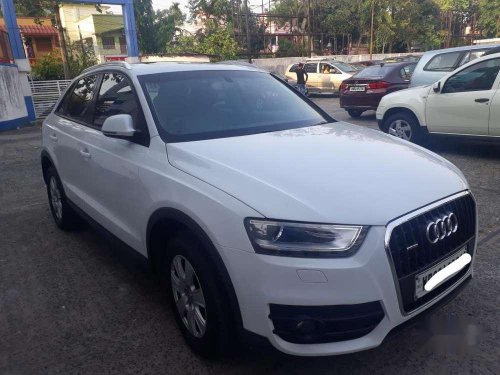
422	278
357	88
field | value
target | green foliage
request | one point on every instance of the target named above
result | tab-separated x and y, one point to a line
219	43
48	67
80	57
156	29
489	19
287	49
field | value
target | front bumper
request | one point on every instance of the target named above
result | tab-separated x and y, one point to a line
263	281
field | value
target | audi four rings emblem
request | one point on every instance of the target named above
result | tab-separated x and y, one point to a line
441	228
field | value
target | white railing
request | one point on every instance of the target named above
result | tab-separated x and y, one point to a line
46	94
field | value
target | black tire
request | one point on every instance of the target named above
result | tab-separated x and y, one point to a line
220	335
355	113
416	135
64	216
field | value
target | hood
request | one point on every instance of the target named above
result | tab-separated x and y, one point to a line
335	173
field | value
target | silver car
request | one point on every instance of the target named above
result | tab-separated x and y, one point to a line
434	65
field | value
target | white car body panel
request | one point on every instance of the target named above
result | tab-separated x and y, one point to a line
335	173
263	170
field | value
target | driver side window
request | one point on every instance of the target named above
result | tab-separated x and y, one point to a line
478	77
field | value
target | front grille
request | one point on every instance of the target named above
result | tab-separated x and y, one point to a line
411	252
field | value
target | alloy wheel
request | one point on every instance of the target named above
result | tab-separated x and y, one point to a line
188	296
401	129
55	198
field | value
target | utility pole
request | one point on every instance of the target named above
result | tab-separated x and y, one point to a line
249	39
309	28
62	41
371	31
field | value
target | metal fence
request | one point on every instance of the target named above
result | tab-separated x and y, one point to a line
46	94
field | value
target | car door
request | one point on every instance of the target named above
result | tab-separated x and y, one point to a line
66	129
313	78
113	181
462	106
328	74
494	123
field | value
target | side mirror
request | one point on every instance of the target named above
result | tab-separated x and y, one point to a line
437	86
119	126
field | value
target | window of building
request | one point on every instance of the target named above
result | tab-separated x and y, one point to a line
108	42
43	44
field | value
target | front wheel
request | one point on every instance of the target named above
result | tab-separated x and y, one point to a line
63	214
405	126
198	298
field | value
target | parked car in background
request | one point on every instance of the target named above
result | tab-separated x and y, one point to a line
363	91
291	82
465	102
256	208
360	65
325	76
406	58
434	65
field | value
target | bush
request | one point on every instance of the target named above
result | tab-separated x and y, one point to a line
48	67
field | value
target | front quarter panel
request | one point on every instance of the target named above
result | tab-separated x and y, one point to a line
410	99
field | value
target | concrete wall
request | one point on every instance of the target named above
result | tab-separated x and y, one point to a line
279	65
16	104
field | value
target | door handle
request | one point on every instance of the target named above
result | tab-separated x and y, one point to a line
53	137
482	100
85	154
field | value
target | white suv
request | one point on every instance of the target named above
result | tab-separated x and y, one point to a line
465	102
262	213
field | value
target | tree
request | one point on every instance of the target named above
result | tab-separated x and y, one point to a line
48	67
156	28
218	43
489	17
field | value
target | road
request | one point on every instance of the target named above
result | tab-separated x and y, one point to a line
70	302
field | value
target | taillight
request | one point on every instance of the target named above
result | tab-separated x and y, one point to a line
378	85
344	86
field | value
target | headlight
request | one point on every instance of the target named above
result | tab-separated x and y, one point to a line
285	238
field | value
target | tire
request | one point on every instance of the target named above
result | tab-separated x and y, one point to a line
354	113
219	336
62	213
405	126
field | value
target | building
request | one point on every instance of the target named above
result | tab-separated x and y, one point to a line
39	38
104	31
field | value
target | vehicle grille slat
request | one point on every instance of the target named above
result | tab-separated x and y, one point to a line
412	253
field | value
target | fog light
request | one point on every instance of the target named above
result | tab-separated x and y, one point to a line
307	326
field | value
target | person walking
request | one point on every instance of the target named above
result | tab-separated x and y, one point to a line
302	78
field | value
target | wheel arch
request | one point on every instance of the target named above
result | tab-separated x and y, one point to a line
406	110
166	222
46	162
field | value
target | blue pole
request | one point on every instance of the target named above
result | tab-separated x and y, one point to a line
16	43
130	30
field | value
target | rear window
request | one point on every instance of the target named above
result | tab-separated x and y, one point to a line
373	71
346	68
444	62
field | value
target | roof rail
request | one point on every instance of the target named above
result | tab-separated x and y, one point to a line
122	64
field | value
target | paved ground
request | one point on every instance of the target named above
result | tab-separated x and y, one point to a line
72	303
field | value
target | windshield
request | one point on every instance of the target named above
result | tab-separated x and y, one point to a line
373	71
346	68
197	105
